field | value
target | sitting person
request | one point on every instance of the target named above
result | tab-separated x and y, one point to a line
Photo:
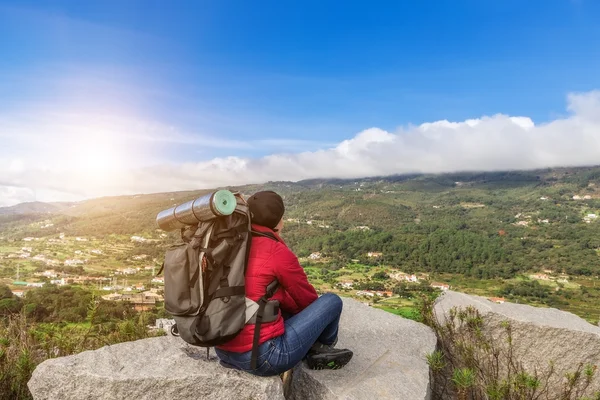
307	325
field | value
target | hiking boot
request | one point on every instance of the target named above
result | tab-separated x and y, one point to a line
321	356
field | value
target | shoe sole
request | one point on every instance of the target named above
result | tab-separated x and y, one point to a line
328	361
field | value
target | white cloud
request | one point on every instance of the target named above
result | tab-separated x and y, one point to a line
498	142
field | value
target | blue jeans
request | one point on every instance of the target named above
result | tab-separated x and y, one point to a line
316	323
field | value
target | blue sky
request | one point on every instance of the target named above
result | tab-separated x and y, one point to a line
149	83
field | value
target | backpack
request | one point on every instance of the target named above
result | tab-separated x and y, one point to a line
204	279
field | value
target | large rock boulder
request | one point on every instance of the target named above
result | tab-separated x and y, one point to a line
540	335
389	363
157	368
389	359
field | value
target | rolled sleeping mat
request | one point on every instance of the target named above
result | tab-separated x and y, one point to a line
205	208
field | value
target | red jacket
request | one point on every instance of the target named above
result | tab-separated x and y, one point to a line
269	260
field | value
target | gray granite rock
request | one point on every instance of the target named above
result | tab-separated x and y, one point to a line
157	368
540	335
389	359
389	363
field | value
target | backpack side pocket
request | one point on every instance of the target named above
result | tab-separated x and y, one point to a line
180	298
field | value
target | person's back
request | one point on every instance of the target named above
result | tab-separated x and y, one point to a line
306	325
271	260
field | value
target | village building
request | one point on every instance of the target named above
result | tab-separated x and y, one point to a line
401	276
164	324
126	271
541	277
49	273
441	286
365	293
499	300
346	284
74	262
141	301
315	256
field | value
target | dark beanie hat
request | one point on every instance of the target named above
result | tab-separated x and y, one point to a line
266	208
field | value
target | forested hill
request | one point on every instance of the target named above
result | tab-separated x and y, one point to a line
491	224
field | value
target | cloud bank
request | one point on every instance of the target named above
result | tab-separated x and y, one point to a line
497	142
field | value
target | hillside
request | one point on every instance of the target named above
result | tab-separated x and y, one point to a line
486	233
35	207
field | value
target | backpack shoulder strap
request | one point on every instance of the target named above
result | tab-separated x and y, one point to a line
262	302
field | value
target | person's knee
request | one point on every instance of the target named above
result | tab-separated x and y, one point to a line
334	301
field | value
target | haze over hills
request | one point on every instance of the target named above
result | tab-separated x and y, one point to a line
34	208
390	193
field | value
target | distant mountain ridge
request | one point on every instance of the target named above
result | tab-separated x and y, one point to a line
378	201
34	207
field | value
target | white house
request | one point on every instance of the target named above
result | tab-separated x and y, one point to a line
365	293
441	286
164	324
71	263
50	273
126	271
315	256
